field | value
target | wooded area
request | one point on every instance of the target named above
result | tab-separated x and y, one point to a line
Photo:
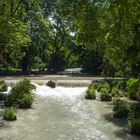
51	35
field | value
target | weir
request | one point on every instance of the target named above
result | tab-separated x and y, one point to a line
73	83
63	83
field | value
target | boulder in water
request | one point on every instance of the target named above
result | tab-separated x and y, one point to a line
51	84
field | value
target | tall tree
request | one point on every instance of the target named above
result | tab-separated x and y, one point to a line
122	38
13	33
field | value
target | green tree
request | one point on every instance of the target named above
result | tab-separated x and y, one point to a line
13	32
122	38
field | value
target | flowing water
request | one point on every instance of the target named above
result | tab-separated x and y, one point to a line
63	114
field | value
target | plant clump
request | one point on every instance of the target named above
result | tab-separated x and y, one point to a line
21	95
10	114
120	109
104	86
96	85
104	93
26	101
105	96
90	93
115	92
133	88
134	119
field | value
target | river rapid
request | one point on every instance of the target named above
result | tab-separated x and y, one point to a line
63	114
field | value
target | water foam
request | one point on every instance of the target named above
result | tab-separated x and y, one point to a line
8	90
59	91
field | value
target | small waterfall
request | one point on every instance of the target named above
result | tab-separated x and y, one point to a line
63	83
73	83
59	91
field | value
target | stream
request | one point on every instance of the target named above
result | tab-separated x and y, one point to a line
63	114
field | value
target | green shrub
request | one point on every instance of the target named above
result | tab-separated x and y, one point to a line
96	85
120	109
3	86
104	90
104	93
10	114
121	84
23	87
111	82
134	126
104	86
134	109
105	96
115	92
134	119
26	101
21	93
133	88
90	93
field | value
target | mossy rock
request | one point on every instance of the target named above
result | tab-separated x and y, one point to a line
51	84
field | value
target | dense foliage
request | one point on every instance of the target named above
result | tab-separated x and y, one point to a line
133	88
100	36
53	35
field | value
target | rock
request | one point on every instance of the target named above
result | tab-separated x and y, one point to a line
51	84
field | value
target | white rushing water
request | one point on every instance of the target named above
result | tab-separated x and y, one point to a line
60	92
63	114
8	90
